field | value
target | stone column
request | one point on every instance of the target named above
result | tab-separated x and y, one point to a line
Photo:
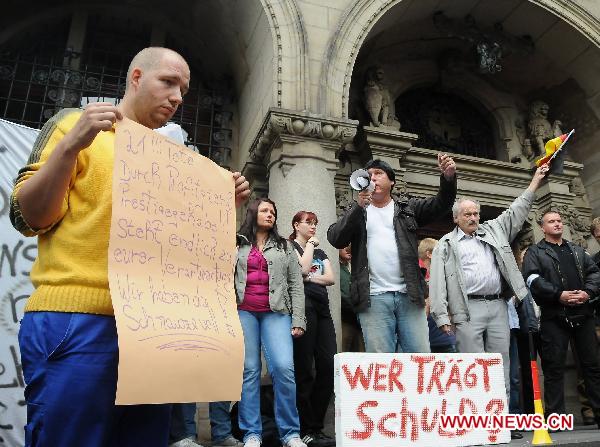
299	155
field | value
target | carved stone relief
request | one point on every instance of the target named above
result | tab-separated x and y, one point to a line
489	44
400	187
581	198
576	187
283	123
578	224
343	199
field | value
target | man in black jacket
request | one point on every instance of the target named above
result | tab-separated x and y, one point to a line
387	288
562	278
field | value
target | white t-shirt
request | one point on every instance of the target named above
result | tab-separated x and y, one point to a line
385	274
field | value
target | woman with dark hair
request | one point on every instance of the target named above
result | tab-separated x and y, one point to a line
314	391
268	285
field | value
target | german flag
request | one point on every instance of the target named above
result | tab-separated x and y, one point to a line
551	147
554	153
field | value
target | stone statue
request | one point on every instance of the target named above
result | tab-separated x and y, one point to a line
540	129
524	142
378	102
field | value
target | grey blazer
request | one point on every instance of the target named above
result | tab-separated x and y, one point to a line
447	290
286	289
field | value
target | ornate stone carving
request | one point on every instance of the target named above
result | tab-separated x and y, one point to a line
281	123
488	43
576	187
377	99
343	200
400	187
489	57
540	128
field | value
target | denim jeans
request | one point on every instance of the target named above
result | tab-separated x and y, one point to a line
183	422
394	323
220	421
272	332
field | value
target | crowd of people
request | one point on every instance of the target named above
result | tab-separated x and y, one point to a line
468	292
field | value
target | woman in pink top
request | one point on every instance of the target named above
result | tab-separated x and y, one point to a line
270	297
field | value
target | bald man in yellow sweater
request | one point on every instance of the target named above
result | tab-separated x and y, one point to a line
68	336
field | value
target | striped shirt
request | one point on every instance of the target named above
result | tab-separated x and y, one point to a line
478	262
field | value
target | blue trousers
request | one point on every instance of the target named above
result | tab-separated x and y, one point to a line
394	323
271	331
514	403
70	369
220	421
183	421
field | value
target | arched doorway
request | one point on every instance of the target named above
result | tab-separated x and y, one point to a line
499	58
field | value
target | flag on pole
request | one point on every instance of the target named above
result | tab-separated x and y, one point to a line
554	155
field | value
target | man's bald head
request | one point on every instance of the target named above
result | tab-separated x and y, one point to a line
147	59
157	81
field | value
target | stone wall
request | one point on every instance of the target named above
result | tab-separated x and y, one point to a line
254	74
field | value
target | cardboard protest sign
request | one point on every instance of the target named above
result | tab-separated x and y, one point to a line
393	400
171	258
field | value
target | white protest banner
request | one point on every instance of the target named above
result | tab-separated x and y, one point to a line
171	258
396	400
16	258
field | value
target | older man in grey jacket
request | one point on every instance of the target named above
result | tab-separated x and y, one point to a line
473	269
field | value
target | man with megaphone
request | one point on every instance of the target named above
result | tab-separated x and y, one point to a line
387	287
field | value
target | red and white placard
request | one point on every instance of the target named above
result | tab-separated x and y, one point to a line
393	400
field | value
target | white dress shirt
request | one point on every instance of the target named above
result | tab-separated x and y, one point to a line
478	262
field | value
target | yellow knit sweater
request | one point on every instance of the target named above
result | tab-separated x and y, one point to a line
70	273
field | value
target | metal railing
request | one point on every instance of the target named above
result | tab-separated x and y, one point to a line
32	89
